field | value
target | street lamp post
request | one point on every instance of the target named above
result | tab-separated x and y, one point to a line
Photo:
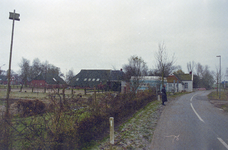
220	76
13	16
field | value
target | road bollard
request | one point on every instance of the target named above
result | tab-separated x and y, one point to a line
159	97
111	120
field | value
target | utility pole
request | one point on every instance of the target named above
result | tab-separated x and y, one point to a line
13	16
220	76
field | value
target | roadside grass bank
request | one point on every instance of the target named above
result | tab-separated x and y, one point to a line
137	131
221	103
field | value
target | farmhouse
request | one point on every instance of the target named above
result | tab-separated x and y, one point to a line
48	80
102	79
187	81
174	84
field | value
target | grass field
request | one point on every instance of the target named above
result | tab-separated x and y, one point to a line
37	93
220	103
215	96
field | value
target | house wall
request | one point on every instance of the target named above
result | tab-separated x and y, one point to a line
37	83
149	81
125	87
42	84
188	87
170	87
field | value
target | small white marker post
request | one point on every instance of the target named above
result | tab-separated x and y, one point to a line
111	120
159	97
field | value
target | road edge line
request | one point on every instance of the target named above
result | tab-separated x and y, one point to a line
224	143
196	113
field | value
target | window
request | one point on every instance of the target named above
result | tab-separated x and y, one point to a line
89	79
85	79
98	79
186	85
77	79
93	79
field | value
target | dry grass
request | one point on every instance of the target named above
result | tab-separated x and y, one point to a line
220	103
215	96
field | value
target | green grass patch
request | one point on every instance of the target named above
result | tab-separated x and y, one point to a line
215	96
26	95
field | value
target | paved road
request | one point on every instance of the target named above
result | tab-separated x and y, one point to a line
191	123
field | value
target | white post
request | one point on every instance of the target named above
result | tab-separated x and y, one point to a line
159	97
111	120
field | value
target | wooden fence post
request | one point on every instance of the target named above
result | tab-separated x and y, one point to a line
64	100
85	90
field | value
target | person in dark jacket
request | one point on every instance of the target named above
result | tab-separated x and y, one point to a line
164	96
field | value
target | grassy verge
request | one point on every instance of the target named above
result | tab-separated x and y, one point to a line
220	103
136	132
215	96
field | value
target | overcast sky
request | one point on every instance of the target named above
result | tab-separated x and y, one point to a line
104	34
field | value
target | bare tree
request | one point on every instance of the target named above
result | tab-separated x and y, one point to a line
207	80
69	75
164	65
199	70
180	71
190	66
216	75
25	71
35	68
136	67
205	76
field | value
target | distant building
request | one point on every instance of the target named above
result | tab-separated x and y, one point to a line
148	81
4	80
187	81
49	81
102	79
174	84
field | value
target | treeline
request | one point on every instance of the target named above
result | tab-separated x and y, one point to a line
28	72
203	77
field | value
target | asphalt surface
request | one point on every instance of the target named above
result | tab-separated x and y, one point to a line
191	123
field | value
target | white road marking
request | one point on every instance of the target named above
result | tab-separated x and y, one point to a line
220	140
196	113
174	137
223	142
192	97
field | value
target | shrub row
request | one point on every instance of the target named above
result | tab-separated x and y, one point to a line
73	124
110	105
